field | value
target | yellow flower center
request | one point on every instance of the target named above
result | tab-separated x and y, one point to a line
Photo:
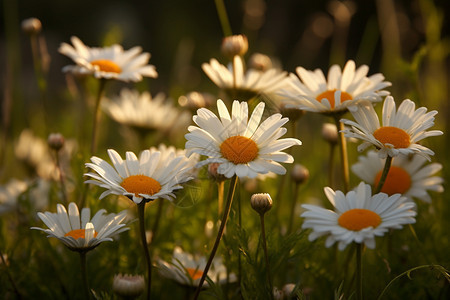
392	135
397	181
330	96
239	149
106	65
141	184
358	218
194	273
78	233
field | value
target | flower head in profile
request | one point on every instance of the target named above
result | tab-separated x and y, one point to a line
141	110
80	232
311	91
234	80
400	132
408	175
187	269
108	62
151	176
242	146
359	216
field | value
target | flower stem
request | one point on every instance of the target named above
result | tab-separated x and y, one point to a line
266	255
220	190
223	17
226	213
101	89
84	278
387	166
331	165
344	155
61	178
141	214
359	294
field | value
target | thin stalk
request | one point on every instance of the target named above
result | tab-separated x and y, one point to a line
344	154
331	165
359	294
16	291
266	255
223	17
87	294
61	178
141	214
294	202
220	192
101	89
387	166
226	213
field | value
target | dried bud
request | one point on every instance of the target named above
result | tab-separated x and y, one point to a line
291	112
234	45
259	62
31	26
299	174
129	286
212	171
330	133
55	141
262	203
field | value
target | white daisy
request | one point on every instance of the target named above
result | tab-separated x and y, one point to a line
151	176
401	129
9	194
80	232
108	62
241	146
311	91
358	216
236	81
141	110
407	175
187	269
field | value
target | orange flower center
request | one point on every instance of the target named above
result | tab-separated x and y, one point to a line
392	135
239	149
78	233
194	273
141	184
106	65
397	181
330	96
358	218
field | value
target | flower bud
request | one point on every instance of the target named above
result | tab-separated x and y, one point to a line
130	286
259	62
55	141
261	203
330	133
299	174
234	45
31	26
212	171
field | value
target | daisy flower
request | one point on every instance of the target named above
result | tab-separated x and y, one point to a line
9	194
187	269
250	83
108	62
80	232
311	91
400	132
241	146
142	111
151	176
358	217
407	175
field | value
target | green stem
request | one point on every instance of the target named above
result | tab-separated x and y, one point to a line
141	214
226	213
87	294
344	154
359	294
387	166
223	17
101	89
266	255
331	165
61	178
220	190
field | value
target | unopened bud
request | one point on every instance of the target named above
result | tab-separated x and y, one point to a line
55	141
261	203
31	26
259	62
128	286
299	174
330	133
212	171
234	45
